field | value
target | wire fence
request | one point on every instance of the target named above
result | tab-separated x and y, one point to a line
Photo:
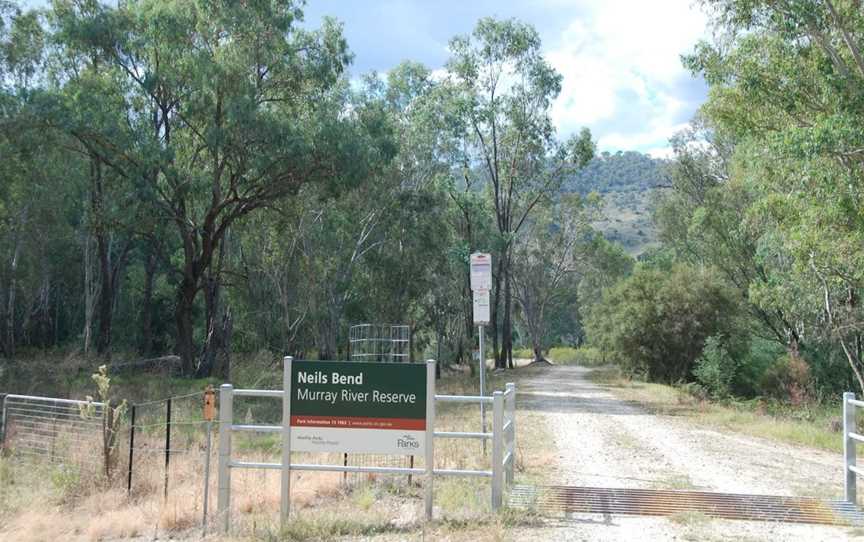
59	431
168	452
165	449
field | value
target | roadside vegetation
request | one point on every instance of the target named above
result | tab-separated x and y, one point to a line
39	500
815	424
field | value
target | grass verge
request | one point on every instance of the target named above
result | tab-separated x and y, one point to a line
815	426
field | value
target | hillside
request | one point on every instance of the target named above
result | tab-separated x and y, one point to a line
626	181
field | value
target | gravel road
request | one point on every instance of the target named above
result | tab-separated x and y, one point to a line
607	442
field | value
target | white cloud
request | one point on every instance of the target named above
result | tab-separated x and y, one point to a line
622	74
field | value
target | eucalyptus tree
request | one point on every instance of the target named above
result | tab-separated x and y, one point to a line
34	226
230	108
505	90
787	82
549	256
700	218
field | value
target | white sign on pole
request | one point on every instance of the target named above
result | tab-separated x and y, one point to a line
481	307
481	271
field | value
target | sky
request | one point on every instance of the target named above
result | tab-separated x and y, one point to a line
620	59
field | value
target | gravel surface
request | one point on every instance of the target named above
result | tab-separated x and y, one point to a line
607	442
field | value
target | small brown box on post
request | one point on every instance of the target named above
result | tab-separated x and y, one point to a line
209	403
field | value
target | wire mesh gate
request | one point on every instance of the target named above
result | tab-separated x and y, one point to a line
384	343
60	431
380	342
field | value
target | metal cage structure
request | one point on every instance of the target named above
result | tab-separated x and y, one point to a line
380	342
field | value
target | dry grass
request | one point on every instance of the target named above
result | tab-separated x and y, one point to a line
742	418
39	502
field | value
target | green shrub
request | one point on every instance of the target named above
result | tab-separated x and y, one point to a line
523	353
716	369
655	322
563	355
587	356
789	380
761	355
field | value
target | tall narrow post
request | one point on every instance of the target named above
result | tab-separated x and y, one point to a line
3	424
850	489
286	439
167	443
430	435
209	414
226	418
209	428
131	452
497	449
481	331
510	389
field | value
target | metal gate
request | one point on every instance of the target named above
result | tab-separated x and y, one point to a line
60	431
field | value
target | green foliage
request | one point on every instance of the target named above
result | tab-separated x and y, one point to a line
586	356
623	171
716	369
523	353
761	355
555	244
111	418
785	96
203	179
788	379
656	322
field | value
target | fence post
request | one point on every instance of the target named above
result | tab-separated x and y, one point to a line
511	443
286	439
209	404
3	424
850	493
430	436
131	452
497	449
226	418
167	443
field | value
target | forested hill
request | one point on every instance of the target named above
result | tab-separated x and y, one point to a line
618	172
625	180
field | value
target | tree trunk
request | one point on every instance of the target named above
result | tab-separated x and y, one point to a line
103	253
215	354
89	293
106	297
508	322
183	320
438	341
493	314
10	305
538	352
146	346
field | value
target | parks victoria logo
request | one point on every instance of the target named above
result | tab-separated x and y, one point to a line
407	441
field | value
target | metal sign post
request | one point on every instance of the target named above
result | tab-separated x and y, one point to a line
481	330
481	283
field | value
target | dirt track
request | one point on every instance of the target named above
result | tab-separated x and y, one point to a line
607	442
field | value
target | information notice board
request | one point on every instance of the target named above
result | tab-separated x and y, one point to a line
357	407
